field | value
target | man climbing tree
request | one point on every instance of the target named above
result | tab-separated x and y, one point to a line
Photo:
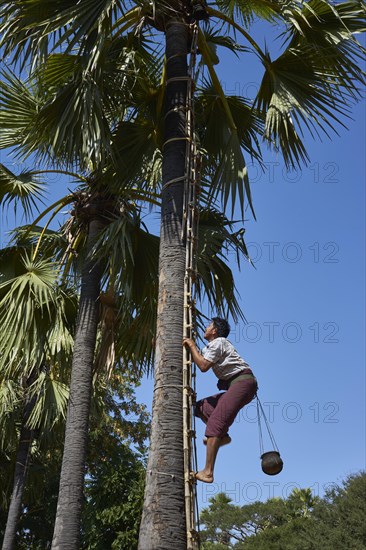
218	411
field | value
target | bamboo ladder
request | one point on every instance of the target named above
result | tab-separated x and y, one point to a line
190	228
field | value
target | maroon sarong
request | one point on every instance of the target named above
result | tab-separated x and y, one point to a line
221	409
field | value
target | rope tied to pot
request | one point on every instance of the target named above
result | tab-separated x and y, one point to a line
272	463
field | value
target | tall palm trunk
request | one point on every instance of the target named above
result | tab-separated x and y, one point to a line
20	474
66	534
163	519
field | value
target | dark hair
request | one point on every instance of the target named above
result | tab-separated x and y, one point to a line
222	326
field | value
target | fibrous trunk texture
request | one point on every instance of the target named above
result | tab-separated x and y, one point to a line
66	534
163	520
20	475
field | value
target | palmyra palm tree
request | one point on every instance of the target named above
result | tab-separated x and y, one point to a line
92	210
36	326
310	84
37	318
126	243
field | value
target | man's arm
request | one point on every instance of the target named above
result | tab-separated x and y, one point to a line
200	361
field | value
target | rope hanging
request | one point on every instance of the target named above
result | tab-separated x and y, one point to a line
189	236
260	412
271	461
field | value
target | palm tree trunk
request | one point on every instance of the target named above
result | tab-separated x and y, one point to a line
66	534
20	474
163	520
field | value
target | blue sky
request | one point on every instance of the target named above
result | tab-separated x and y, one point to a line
305	332
304	305
305	310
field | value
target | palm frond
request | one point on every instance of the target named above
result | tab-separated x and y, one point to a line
59	342
66	111
11	264
245	11
138	137
37	319
132	255
312	84
26	311
137	152
294	94
217	242
25	188
50	243
135	343
214	40
88	23
230	179
330	30
129	307
75	123
18	109
32	29
23	37
10	406
51	402
234	26
59	69
212	125
75	126
231	172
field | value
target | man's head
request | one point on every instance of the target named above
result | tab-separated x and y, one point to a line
218	327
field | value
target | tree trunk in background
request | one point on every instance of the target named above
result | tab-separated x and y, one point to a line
163	520
66	535
20	474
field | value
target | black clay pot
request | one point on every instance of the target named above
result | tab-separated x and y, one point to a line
272	463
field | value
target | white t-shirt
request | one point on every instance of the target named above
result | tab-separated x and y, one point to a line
226	359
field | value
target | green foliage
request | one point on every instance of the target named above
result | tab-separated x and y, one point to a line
96	84
95	94
32	313
24	188
39	313
301	521
339	518
95	99
114	495
114	476
245	11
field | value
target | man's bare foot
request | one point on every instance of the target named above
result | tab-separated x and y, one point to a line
203	476
224	440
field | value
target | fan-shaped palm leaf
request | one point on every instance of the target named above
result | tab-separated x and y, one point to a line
212	125
67	110
25	188
26	311
215	39
223	147
50	405
245	11
32	29
216	243
330	31
232	172
310	84
129	306
18	108
10	399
